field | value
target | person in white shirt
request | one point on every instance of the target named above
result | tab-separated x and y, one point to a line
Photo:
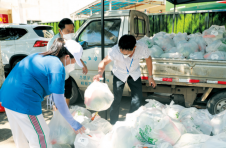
66	31
126	56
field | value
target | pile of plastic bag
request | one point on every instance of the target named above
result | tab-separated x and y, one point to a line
153	125
210	45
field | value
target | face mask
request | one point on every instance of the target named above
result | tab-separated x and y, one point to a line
69	36
126	56
68	68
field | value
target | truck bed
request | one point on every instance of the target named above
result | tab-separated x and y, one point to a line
209	73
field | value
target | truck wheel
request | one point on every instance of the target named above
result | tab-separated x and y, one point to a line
75	93
217	103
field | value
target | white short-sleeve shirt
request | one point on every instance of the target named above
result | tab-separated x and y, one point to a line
121	64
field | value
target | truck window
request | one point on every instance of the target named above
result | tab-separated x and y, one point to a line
92	33
139	26
6	34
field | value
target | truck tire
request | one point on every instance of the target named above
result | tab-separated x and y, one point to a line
217	103
75	97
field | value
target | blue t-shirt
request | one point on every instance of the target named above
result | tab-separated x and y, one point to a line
30	81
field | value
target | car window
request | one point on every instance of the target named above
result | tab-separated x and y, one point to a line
139	26
18	33
6	34
44	31
92	33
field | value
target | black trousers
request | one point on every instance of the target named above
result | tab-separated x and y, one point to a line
136	93
68	88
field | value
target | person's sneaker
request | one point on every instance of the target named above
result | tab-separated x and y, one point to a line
2	109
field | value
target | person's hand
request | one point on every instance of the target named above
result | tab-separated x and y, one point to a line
81	130
151	82
97	77
84	70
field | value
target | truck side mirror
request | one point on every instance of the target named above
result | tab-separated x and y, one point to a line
84	44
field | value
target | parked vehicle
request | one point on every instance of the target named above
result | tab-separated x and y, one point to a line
201	81
19	40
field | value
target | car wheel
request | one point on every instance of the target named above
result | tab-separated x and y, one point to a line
16	61
217	103
75	97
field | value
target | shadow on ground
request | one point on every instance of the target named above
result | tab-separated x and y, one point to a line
5	134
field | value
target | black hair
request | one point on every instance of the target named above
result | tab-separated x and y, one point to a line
63	22
127	42
57	49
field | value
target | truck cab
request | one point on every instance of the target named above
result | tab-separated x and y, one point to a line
117	23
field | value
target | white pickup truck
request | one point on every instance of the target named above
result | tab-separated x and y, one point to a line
199	81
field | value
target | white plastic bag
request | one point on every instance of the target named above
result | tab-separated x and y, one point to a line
100	125
197	55
172	50
187	48
195	122
147	41
219	123
180	126
154	127
205	111
165	42
218	55
131	118
180	37
90	140
107	141
60	130
172	55
189	140
199	40
80	114
156	51
154	104
213	33
218	141
98	96
124	137
173	110
218	45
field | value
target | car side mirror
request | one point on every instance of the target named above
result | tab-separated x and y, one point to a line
84	44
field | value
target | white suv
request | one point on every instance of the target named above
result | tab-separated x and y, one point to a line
21	40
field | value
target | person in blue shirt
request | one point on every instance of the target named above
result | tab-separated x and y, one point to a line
33	78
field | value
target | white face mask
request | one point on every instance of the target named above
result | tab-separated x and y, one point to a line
68	68
69	36
126	56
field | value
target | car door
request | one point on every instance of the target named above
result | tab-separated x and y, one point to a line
7	44
92	54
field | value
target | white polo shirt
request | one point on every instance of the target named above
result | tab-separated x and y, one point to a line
125	67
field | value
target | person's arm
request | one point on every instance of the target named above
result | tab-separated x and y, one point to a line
63	109
150	77
84	68
101	68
